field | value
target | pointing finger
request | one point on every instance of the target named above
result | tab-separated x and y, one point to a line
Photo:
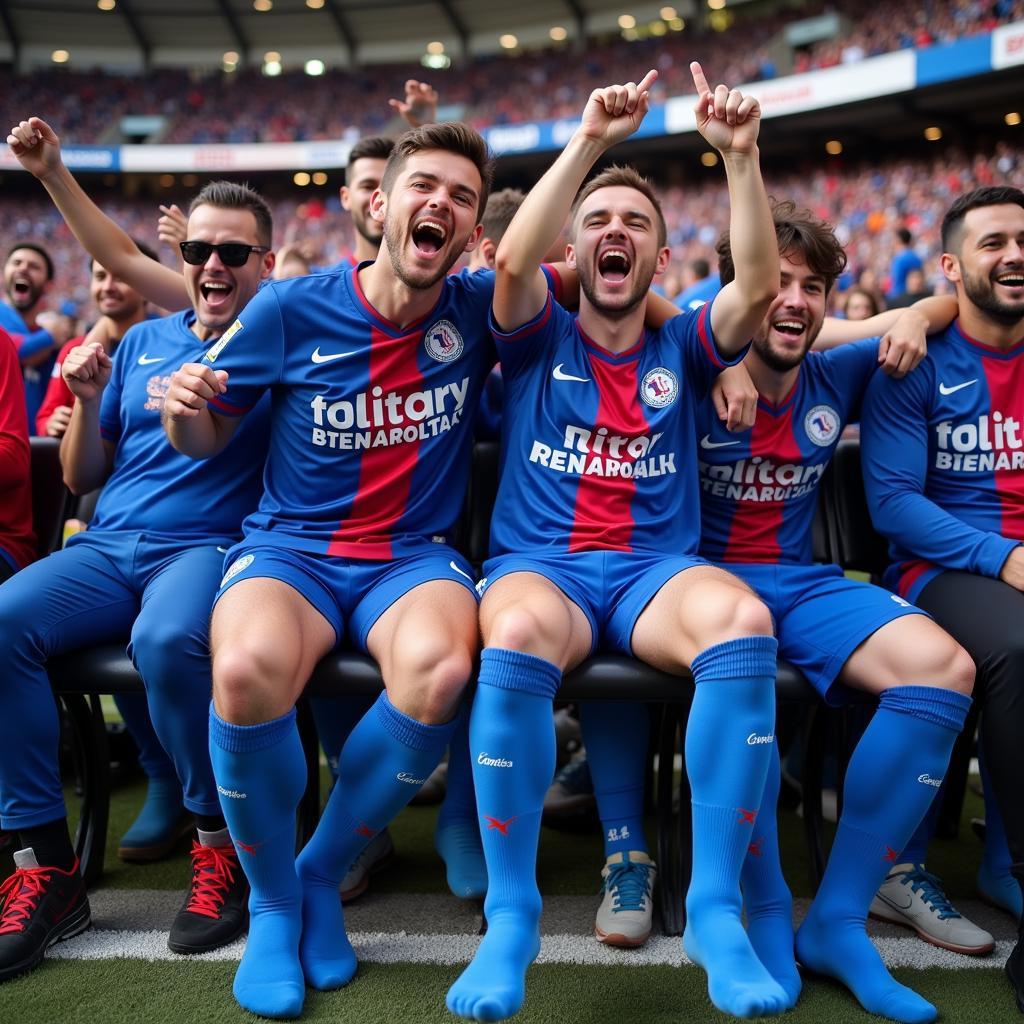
699	80
648	80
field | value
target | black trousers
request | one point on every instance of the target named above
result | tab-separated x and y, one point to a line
986	617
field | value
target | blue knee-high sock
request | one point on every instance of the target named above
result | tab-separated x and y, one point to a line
457	836
766	897
512	740
889	786
615	735
335	718
261	774
916	850
995	882
384	761
729	741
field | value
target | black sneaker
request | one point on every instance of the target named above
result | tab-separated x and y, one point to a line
215	911
41	906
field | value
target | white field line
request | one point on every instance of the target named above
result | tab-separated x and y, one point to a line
400	947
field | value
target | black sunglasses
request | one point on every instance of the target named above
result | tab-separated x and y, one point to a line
231	254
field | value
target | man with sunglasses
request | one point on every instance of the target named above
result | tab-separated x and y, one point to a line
148	566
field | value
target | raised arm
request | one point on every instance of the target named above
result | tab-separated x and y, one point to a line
730	122
37	148
611	115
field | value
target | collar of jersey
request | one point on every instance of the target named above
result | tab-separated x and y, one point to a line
778	410
363	304
631	353
957	330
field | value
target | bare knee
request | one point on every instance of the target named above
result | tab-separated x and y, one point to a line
960	671
429	678
734	613
250	685
545	631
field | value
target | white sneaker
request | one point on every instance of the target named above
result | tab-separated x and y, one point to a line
379	850
913	897
624	917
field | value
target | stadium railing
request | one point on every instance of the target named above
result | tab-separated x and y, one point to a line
80	677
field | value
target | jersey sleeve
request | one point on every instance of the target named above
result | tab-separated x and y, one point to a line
851	367
111	423
33	343
14	447
252	351
692	331
894	455
515	348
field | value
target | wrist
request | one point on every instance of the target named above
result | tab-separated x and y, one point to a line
740	158
586	146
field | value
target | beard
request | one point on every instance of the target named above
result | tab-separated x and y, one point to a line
24	300
782	362
622	306
981	291
426	278
369	230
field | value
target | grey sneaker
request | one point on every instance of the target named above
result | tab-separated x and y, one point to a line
624	917
913	897
379	850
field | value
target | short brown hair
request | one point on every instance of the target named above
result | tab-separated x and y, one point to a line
501	208
629	177
229	195
797	231
989	195
369	147
450	137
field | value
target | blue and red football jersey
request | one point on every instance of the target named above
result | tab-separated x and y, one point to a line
372	422
759	488
943	457
598	448
154	488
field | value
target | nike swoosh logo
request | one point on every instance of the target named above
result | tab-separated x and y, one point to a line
943	390
462	572
144	360
330	357
706	442
559	374
896	906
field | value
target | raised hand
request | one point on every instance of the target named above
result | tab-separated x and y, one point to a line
190	390
171	227
420	104
904	345
615	112
86	371
36	146
726	118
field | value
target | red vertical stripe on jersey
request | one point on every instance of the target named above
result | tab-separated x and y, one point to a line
754	532
910	573
385	473
603	518
1005	379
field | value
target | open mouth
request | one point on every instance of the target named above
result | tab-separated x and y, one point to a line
21	288
789	328
1013	279
614	265
429	236
215	293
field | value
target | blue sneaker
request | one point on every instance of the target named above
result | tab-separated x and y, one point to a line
624	917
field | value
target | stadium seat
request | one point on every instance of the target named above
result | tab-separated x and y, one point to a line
51	500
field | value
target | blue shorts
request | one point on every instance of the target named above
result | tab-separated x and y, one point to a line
611	588
821	617
345	591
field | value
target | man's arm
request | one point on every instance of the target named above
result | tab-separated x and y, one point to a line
86	458
191	425
730	122
937	312
520	291
37	148
894	457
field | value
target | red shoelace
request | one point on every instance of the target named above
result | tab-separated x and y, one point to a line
213	871
22	891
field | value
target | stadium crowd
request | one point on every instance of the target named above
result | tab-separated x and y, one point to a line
483	91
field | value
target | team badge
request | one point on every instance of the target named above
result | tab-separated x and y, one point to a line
443	342
216	350
822	425
659	388
237	566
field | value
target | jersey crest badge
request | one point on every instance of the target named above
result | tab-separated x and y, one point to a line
822	425
659	388
237	566
443	341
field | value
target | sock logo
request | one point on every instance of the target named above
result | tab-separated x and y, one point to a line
890	855
406	777
617	834
364	830
249	848
493	762
746	817
234	794
927	780
497	825
753	740
756	848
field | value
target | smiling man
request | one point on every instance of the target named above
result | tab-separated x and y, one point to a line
147	568
376	373
943	454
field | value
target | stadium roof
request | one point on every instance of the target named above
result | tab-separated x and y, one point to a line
135	34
